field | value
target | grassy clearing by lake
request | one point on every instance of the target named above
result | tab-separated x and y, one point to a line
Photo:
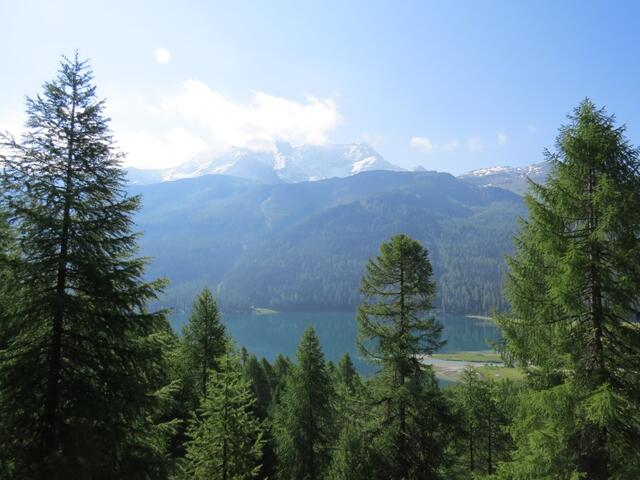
494	372
469	356
480	317
262	311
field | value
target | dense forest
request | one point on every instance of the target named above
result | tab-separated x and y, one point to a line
94	384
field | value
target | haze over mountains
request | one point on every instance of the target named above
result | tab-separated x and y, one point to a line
289	164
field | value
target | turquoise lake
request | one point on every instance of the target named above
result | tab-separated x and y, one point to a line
271	334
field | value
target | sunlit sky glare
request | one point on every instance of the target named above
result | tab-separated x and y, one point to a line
451	86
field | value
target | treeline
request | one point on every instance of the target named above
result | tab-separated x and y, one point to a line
94	385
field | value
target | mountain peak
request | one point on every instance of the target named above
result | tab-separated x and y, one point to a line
285	163
515	179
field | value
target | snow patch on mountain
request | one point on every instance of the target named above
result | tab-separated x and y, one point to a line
515	179
285	163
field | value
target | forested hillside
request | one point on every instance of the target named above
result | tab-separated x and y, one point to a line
304	245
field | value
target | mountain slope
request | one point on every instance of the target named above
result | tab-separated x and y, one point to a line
284	164
304	245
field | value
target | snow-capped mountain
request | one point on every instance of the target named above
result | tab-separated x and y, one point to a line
283	164
509	178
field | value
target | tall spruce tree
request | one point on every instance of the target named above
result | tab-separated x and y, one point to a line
353	456
204	342
304	421
226	437
483	441
259	381
574	284
77	377
347	374
395	334
8	293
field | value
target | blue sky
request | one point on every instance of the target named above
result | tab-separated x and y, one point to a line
452	86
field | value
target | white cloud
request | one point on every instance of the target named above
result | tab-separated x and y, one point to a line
162	55
426	145
502	138
170	130
422	143
12	121
257	124
159	150
373	139
474	144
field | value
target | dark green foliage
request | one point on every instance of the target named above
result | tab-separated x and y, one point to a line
8	292
79	371
260	375
347	374
226	437
480	404
410	412
282	367
270	375
304	421
399	289
259	385
353	457
574	284
204	341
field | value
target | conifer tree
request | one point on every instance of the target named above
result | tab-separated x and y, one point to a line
353	458
259	385
395	334
484	439
204	342
351	394
226	437
270	375
77	377
347	374
261	389
574	283
8	293
282	367
304	423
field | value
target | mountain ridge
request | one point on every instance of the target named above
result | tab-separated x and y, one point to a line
283	164
515	179
294	164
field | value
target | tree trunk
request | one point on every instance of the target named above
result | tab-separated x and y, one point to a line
403	466
593	461
52	398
